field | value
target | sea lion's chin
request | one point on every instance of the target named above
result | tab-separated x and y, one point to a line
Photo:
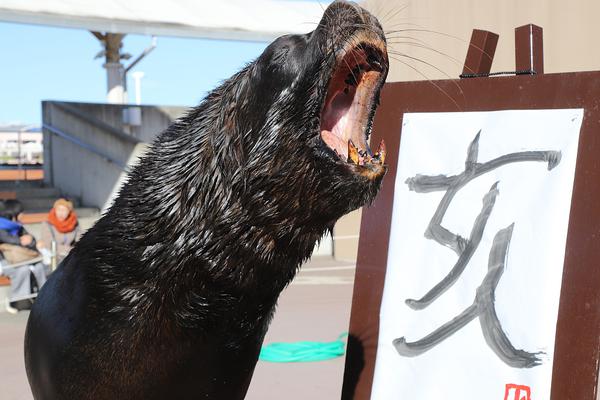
349	106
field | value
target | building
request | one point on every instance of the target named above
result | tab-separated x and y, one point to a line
21	144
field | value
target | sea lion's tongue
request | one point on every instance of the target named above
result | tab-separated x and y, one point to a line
341	124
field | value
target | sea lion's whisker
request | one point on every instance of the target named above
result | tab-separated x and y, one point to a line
404	22
428	79
430	65
391	35
424	30
365	27
388	16
408	39
425	47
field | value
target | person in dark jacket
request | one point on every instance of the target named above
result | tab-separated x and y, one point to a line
13	232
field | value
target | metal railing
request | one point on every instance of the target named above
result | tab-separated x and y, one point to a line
83	145
96	122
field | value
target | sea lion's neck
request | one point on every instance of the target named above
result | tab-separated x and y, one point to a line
205	219
216	189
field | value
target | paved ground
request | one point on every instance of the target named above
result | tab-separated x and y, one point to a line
13	382
315	307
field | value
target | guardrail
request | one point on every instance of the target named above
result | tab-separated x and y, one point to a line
96	122
84	145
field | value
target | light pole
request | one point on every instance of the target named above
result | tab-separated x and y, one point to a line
137	77
116	72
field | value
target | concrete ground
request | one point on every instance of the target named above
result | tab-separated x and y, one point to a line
316	306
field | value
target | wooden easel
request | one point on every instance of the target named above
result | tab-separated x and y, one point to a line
577	346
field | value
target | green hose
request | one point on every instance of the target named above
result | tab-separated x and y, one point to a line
304	351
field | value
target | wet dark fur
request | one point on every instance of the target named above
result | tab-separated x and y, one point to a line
170	294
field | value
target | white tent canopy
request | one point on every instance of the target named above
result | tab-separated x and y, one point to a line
255	20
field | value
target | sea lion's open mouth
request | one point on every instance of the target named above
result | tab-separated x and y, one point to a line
350	104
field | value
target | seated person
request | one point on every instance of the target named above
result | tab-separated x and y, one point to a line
62	228
13	233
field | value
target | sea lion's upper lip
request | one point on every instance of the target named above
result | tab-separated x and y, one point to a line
351	99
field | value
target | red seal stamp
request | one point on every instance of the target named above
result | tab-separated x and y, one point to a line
517	392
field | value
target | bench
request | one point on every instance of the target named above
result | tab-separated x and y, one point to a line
5	280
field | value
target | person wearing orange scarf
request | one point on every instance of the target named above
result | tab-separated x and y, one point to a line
61	227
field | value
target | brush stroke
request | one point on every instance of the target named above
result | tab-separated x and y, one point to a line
482	307
465	248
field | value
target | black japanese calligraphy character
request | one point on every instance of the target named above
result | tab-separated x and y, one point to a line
483	305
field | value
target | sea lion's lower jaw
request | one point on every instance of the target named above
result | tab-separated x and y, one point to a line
366	157
366	164
374	173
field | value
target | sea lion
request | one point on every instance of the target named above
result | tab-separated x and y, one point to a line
170	294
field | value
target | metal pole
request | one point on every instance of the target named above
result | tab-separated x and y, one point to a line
115	89
53	259
116	72
139	58
20	167
137	77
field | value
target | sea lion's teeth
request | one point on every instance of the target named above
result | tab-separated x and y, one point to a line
353	153
374	62
381	151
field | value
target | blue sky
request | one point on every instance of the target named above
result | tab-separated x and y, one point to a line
47	63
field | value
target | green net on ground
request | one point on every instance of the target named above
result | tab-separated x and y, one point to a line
304	351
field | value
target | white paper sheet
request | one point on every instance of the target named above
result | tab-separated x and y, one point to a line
532	201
